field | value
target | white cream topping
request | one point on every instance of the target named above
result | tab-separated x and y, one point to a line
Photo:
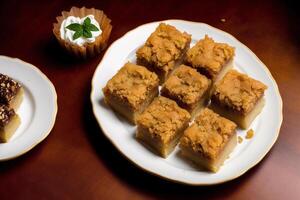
67	34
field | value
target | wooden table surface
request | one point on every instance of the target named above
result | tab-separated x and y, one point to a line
76	161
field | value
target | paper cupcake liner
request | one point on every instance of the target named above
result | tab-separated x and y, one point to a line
87	49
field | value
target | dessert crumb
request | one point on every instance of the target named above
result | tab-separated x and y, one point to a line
240	139
250	134
223	20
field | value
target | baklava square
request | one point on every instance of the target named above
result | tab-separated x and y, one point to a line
163	50
162	124
209	140
210	58
238	98
11	92
188	88
131	90
9	122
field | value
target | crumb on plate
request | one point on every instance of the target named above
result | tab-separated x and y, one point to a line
240	139
250	134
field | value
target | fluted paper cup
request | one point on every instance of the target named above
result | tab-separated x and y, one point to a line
87	49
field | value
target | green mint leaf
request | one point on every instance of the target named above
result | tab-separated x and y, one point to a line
83	30
92	27
87	21
77	34
87	34
74	27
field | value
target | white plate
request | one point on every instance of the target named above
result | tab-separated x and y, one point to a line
121	134
37	111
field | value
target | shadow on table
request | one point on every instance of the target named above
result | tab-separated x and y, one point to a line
17	163
58	56
292	9
143	181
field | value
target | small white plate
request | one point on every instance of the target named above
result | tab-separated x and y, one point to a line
37	111
246	155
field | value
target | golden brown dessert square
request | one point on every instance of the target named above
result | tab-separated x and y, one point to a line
162	124
11	92
188	88
131	90
163	50
9	122
209	140
238	98
210	58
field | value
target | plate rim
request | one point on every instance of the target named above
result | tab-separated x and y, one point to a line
252	54
54	113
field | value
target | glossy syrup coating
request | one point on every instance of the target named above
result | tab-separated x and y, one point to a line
8	89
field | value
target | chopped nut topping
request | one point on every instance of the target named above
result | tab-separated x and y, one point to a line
162	118
164	46
238	91
5	115
208	134
209	57
8	89
250	134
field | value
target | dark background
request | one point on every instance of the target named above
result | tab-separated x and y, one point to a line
77	162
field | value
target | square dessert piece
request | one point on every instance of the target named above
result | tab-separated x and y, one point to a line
162	124
210	58
209	140
11	92
188	88
131	90
9	122
163	50
238	98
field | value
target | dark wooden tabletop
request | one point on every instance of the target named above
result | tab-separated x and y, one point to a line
76	161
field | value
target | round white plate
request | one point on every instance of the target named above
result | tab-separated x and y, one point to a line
247	154
37	111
